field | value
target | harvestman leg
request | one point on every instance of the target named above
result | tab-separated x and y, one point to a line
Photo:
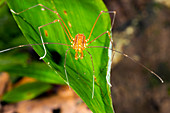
57	20
49	10
109	39
125	55
93	72
27	45
67	30
132	59
114	15
107	77
114	12
65	65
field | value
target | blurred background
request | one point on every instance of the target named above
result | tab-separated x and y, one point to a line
141	30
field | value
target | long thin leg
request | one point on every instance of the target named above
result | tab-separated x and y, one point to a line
27	45
65	66
100	36
47	9
127	56
93	73
110	38
114	12
45	52
107	78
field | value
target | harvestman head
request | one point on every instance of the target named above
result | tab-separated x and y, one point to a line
79	43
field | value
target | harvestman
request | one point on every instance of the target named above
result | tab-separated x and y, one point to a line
79	43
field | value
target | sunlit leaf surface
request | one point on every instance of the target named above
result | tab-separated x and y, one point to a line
79	16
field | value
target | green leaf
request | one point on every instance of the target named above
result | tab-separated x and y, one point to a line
79	17
16	65
26	92
18	62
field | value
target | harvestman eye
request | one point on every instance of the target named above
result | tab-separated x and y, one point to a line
79	43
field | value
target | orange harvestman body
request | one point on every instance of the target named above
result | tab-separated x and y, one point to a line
79	43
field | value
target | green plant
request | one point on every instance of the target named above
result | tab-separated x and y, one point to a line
81	15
